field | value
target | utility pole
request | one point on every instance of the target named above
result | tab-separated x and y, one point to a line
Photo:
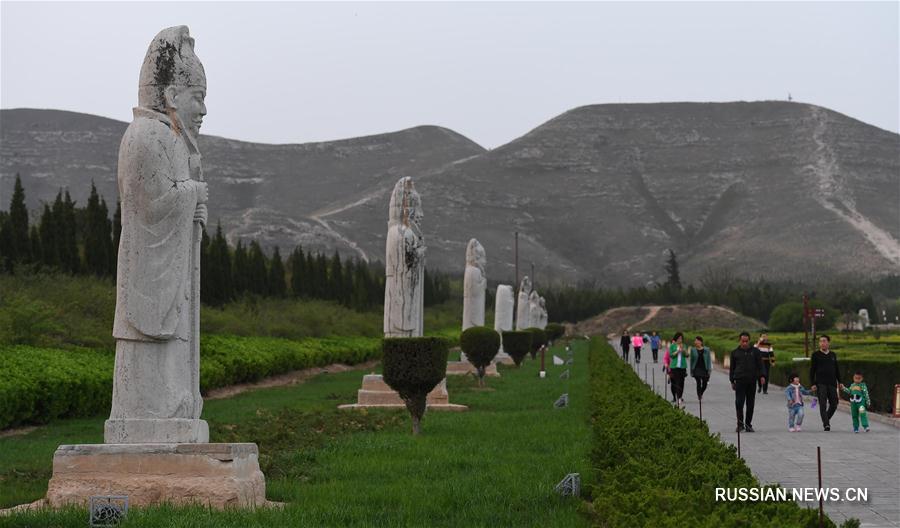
516	286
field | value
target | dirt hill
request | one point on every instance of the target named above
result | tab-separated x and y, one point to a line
649	318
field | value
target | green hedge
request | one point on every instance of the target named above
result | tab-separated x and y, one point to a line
658	466
879	374
41	384
538	339
555	331
413	366
480	344
517	344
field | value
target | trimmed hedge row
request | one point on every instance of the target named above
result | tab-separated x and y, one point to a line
41	384
880	377
658	466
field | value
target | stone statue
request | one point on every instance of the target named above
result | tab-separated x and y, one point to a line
542	319
523	316
864	321
534	310
156	384
474	285
503	308
404	264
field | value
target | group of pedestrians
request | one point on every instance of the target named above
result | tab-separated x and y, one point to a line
748	373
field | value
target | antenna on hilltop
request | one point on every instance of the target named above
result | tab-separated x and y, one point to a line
789	97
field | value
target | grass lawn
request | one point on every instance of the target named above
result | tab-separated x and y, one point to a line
495	465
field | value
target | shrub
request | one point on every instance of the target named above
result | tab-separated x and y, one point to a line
788	317
413	366
555	331
658	466
538	339
42	384
517	344
480	344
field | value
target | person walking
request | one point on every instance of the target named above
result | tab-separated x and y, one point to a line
768	359
825	379
654	346
625	343
745	369
678	362
701	366
637	342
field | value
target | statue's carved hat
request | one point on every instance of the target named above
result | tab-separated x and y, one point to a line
170	61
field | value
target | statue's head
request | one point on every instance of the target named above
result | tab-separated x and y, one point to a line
405	206
475	255
526	285
173	81
543	302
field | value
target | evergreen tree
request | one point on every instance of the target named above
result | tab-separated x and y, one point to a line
241	270
71	258
49	243
335	278
321	277
6	262
222	290
117	232
97	236
205	287
297	265
674	277
34	236
276	284
20	245
258	274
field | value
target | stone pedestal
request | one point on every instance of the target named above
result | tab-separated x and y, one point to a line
215	475
504	358
459	368
376	393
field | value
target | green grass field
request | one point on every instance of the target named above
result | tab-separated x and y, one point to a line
494	465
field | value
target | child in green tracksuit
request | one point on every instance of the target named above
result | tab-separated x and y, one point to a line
859	402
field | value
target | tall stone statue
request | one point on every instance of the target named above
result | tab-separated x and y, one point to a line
474	285
864	321
504	307
404	264
534	310
156	385
523	316
542	320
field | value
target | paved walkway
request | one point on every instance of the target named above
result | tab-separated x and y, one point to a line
865	460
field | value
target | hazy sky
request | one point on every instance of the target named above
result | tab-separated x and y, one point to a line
298	72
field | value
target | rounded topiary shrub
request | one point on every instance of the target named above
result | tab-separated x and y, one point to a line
480	344
538	339
413	366
555	331
517	344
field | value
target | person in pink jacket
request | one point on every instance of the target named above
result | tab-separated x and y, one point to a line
667	360
637	342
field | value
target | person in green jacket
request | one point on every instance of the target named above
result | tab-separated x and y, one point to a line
701	366
859	402
678	362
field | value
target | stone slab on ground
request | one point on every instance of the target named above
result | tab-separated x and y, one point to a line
375	393
215	475
775	455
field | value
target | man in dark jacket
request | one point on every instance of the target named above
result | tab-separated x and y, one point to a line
625	343
825	379
745	369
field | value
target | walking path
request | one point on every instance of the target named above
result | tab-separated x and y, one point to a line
865	460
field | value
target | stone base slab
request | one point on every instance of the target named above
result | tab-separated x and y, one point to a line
458	368
150	431
503	358
214	475
376	393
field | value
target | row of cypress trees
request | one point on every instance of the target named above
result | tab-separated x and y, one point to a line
85	241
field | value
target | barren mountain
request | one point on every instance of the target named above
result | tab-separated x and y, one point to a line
773	189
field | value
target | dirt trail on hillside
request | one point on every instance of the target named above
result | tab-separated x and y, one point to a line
647	318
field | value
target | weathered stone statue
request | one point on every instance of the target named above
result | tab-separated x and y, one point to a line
523	316
474	285
156	448
504	306
542	319
534	310
404	264
156	385
864	321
